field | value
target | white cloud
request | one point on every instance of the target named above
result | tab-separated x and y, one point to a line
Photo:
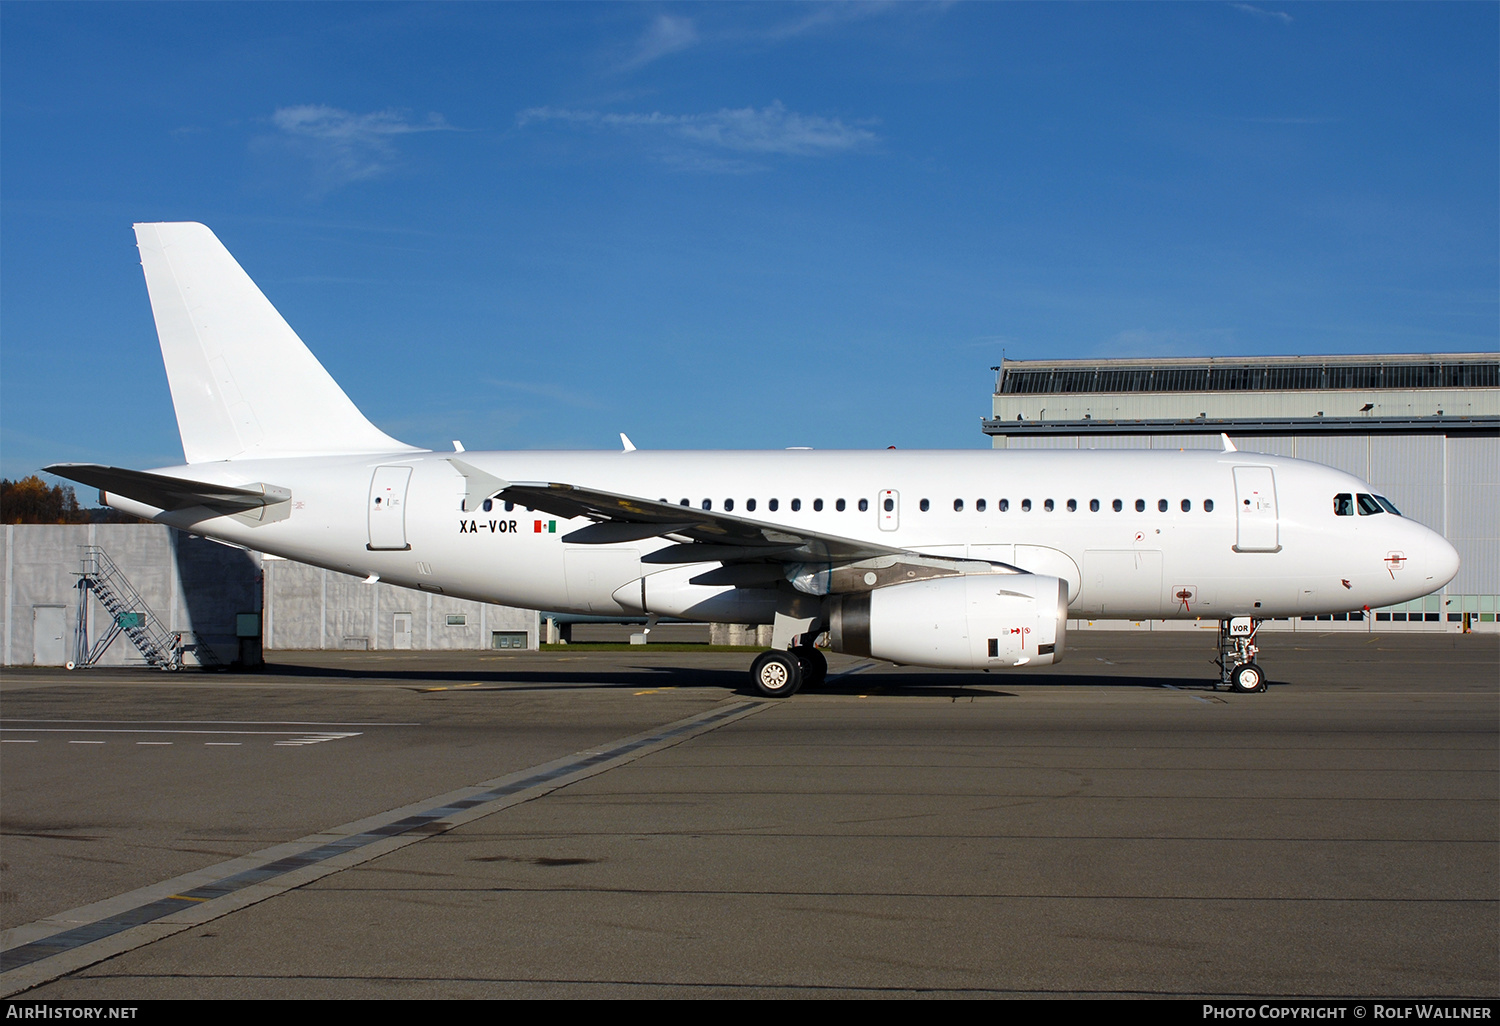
771	130
1261	12
345	147
666	35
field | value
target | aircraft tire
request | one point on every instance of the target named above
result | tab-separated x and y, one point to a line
776	674
814	666
1247	678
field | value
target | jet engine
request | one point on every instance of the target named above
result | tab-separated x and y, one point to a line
972	622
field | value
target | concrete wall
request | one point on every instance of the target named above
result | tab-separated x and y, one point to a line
197	587
190	586
307	607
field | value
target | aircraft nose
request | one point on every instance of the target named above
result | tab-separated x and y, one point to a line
1439	561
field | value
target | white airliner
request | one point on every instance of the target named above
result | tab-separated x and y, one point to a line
972	560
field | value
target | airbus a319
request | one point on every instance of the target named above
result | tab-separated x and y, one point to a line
964	559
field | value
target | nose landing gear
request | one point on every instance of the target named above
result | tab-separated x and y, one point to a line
1238	670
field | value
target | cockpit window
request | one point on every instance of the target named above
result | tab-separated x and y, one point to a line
1343	505
1368	505
1390	507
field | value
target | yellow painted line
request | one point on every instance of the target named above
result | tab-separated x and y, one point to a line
657	691
186	897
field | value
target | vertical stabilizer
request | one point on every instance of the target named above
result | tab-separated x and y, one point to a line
243	384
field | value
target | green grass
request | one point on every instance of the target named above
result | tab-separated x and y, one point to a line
655	646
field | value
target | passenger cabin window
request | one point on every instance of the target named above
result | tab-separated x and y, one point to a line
728	505
1025	505
1161	505
489	504
1140	505
924	505
1118	505
509	506
1072	505
796	505
708	504
773	505
1004	505
839	505
1208	505
1343	505
817	505
1047	505
958	505
749	505
979	506
1093	505
1187	505
1368	506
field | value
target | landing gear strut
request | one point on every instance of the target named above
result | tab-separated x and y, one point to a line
1237	651
814	665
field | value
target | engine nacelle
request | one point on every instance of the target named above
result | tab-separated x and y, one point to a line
972	622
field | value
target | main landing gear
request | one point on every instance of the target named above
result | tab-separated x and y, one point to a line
1238	670
779	674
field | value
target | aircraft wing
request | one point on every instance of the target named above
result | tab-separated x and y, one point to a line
701	534
169	493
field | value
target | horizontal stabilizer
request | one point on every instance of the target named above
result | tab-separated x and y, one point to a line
170	493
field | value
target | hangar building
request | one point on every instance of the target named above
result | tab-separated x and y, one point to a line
1424	429
65	588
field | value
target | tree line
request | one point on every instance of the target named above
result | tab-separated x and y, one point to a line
31	501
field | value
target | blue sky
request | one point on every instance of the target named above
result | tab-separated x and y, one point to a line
734	226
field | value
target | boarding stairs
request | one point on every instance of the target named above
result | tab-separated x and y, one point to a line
129	615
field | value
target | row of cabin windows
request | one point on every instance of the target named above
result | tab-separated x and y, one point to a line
980	505
1118	505
775	504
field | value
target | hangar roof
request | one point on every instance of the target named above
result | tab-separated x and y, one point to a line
1248	374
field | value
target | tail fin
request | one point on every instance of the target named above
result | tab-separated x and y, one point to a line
243	384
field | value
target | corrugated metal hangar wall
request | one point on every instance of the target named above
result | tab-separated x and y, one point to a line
1424	430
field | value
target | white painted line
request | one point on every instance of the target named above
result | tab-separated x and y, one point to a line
153	742
113	730
17	741
247	723
223	744
85	742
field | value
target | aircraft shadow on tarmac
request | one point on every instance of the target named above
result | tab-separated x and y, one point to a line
912	681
